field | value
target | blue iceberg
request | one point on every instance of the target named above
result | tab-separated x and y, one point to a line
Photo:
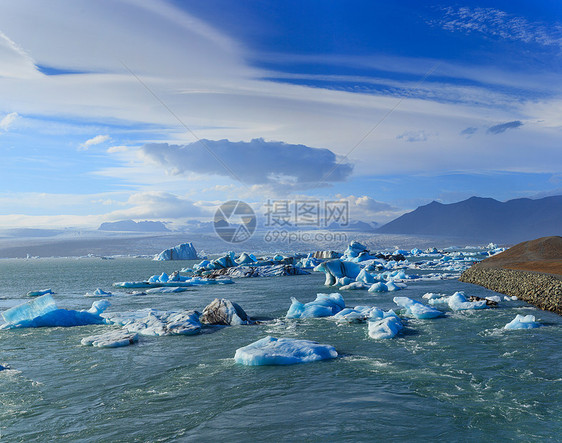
185	251
43	312
40	292
325	305
283	351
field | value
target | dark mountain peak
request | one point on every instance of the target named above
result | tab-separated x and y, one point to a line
483	219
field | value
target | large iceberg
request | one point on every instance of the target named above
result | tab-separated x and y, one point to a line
43	312
185	251
325	305
416	309
523	322
337	270
283	351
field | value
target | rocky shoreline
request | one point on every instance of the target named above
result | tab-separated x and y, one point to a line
541	290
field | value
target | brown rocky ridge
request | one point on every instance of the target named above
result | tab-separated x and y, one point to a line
532	271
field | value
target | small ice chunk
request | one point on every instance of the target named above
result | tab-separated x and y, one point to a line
113	339
523	322
356	285
378	287
283	351
167	290
98	293
417	309
459	302
325	305
385	328
432	296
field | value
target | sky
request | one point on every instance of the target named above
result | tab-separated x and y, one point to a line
163	110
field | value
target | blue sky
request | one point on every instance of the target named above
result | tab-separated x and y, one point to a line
162	110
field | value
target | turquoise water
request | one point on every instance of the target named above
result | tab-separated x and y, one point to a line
457	378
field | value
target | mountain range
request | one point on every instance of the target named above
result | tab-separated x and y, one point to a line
483	219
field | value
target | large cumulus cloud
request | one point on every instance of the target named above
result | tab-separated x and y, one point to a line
257	162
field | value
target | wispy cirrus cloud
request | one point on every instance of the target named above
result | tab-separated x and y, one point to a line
97	140
8	120
497	23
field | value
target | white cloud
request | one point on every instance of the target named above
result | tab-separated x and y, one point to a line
8	120
98	139
255	162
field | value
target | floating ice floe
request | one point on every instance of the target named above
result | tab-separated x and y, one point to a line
325	305
359	314
163	280
283	351
43	312
112	339
40	292
243	271
167	290
98	293
523	322
151	322
416	309
185	251
356	285
224	312
386	327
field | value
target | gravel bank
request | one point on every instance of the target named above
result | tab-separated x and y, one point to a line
541	290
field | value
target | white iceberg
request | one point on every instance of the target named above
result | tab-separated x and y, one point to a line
417	309
325	305
523	322
112	339
185	251
151	322
283	351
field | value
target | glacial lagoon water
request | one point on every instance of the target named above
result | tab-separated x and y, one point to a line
461	377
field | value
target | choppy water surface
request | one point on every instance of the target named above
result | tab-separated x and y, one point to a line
461	377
